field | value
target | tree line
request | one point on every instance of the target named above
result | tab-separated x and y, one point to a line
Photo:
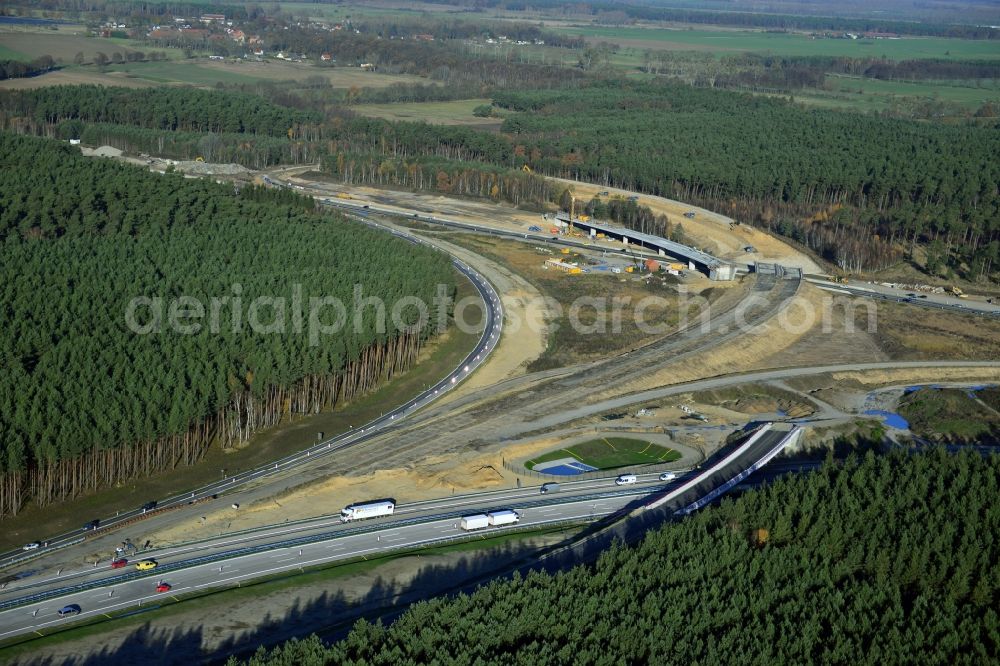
831	173
90	402
872	561
164	108
18	69
860	190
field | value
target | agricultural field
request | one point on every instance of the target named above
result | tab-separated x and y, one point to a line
862	94
458	112
7	53
726	42
64	45
205	73
610	453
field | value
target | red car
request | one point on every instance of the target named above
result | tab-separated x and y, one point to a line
119	563
163	587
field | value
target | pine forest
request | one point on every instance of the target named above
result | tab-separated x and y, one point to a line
89	402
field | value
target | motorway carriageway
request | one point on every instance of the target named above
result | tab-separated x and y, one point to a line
460	504
129	589
578	502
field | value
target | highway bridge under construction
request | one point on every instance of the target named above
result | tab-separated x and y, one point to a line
715	268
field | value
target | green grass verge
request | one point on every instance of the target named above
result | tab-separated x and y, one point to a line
270	444
952	415
611	453
173	605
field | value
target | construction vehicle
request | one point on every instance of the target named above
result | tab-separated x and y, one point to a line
527	169
838	279
565	250
955	291
343	195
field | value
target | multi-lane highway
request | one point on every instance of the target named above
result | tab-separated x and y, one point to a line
492	329
236	558
898	295
33	605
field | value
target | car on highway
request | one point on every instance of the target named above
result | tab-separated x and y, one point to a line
163	587
34	545
626	479
149	506
668	476
146	565
118	562
71	609
92	525
550	487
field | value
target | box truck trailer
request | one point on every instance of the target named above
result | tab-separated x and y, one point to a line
505	517
476	522
367	510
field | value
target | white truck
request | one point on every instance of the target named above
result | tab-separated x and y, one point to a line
505	517
476	522
492	519
367	510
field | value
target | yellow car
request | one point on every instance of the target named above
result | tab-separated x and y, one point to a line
145	565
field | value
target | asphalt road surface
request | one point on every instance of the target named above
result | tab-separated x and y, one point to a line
233	558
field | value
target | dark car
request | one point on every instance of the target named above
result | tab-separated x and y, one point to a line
72	609
149	506
92	525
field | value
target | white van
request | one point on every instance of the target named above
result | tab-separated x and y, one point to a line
625	479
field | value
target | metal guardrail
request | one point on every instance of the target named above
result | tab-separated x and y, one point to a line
288	543
40	552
